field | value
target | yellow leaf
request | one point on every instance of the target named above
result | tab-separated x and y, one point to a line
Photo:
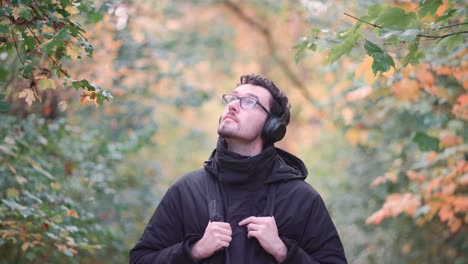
29	96
73	51
55	185
17	10
47	84
37	236
10	166
12	192
25	246
364	70
73	10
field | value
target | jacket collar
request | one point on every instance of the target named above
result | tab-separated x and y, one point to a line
231	167
271	165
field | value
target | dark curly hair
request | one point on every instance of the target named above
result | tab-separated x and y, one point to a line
280	104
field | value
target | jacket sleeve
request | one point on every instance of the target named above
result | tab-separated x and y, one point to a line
320	242
163	240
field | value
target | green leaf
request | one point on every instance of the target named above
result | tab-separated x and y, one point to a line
428	6
30	43
396	18
382	61
372	48
453	41
426	142
4	29
413	55
26	70
447	14
350	39
375	10
65	3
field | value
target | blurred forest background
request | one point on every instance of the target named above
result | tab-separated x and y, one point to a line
105	103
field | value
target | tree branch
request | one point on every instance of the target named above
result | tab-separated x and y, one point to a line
48	55
365	22
442	36
453	25
419	35
16	45
265	32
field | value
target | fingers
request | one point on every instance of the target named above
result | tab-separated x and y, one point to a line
257	220
219	227
248	220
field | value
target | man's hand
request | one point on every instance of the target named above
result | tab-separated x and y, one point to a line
264	229
217	235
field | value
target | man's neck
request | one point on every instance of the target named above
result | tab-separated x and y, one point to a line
245	148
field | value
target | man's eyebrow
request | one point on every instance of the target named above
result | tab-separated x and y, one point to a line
248	94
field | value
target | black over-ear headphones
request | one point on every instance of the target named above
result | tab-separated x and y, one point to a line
274	129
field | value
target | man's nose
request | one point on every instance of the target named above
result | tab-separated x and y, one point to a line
234	106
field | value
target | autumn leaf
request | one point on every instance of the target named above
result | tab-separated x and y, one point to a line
359	94
28	95
424	75
376	217
384	178
72	213
407	90
414	176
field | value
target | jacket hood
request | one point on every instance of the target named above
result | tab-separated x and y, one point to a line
271	165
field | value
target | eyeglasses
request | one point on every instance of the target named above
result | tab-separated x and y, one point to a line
247	103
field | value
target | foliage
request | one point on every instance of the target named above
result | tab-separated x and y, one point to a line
43	37
407	104
52	170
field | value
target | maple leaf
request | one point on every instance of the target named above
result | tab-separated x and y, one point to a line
28	95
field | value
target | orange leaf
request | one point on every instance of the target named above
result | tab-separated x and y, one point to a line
460	204
384	178
407	90
463	99
72	213
424	75
443	70
446	213
450	140
454	225
376	217
464	180
438	92
414	176
449	188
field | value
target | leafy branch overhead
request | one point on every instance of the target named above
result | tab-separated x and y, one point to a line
386	26
45	36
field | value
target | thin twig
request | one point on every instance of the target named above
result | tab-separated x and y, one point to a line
16	45
453	25
442	36
419	35
374	25
234	7
48	55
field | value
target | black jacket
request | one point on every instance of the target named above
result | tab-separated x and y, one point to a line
247	185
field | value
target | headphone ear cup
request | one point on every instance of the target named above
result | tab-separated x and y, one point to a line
274	129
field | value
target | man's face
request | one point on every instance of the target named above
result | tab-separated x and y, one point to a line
245	124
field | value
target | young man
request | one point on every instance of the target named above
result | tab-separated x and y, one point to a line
250	203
